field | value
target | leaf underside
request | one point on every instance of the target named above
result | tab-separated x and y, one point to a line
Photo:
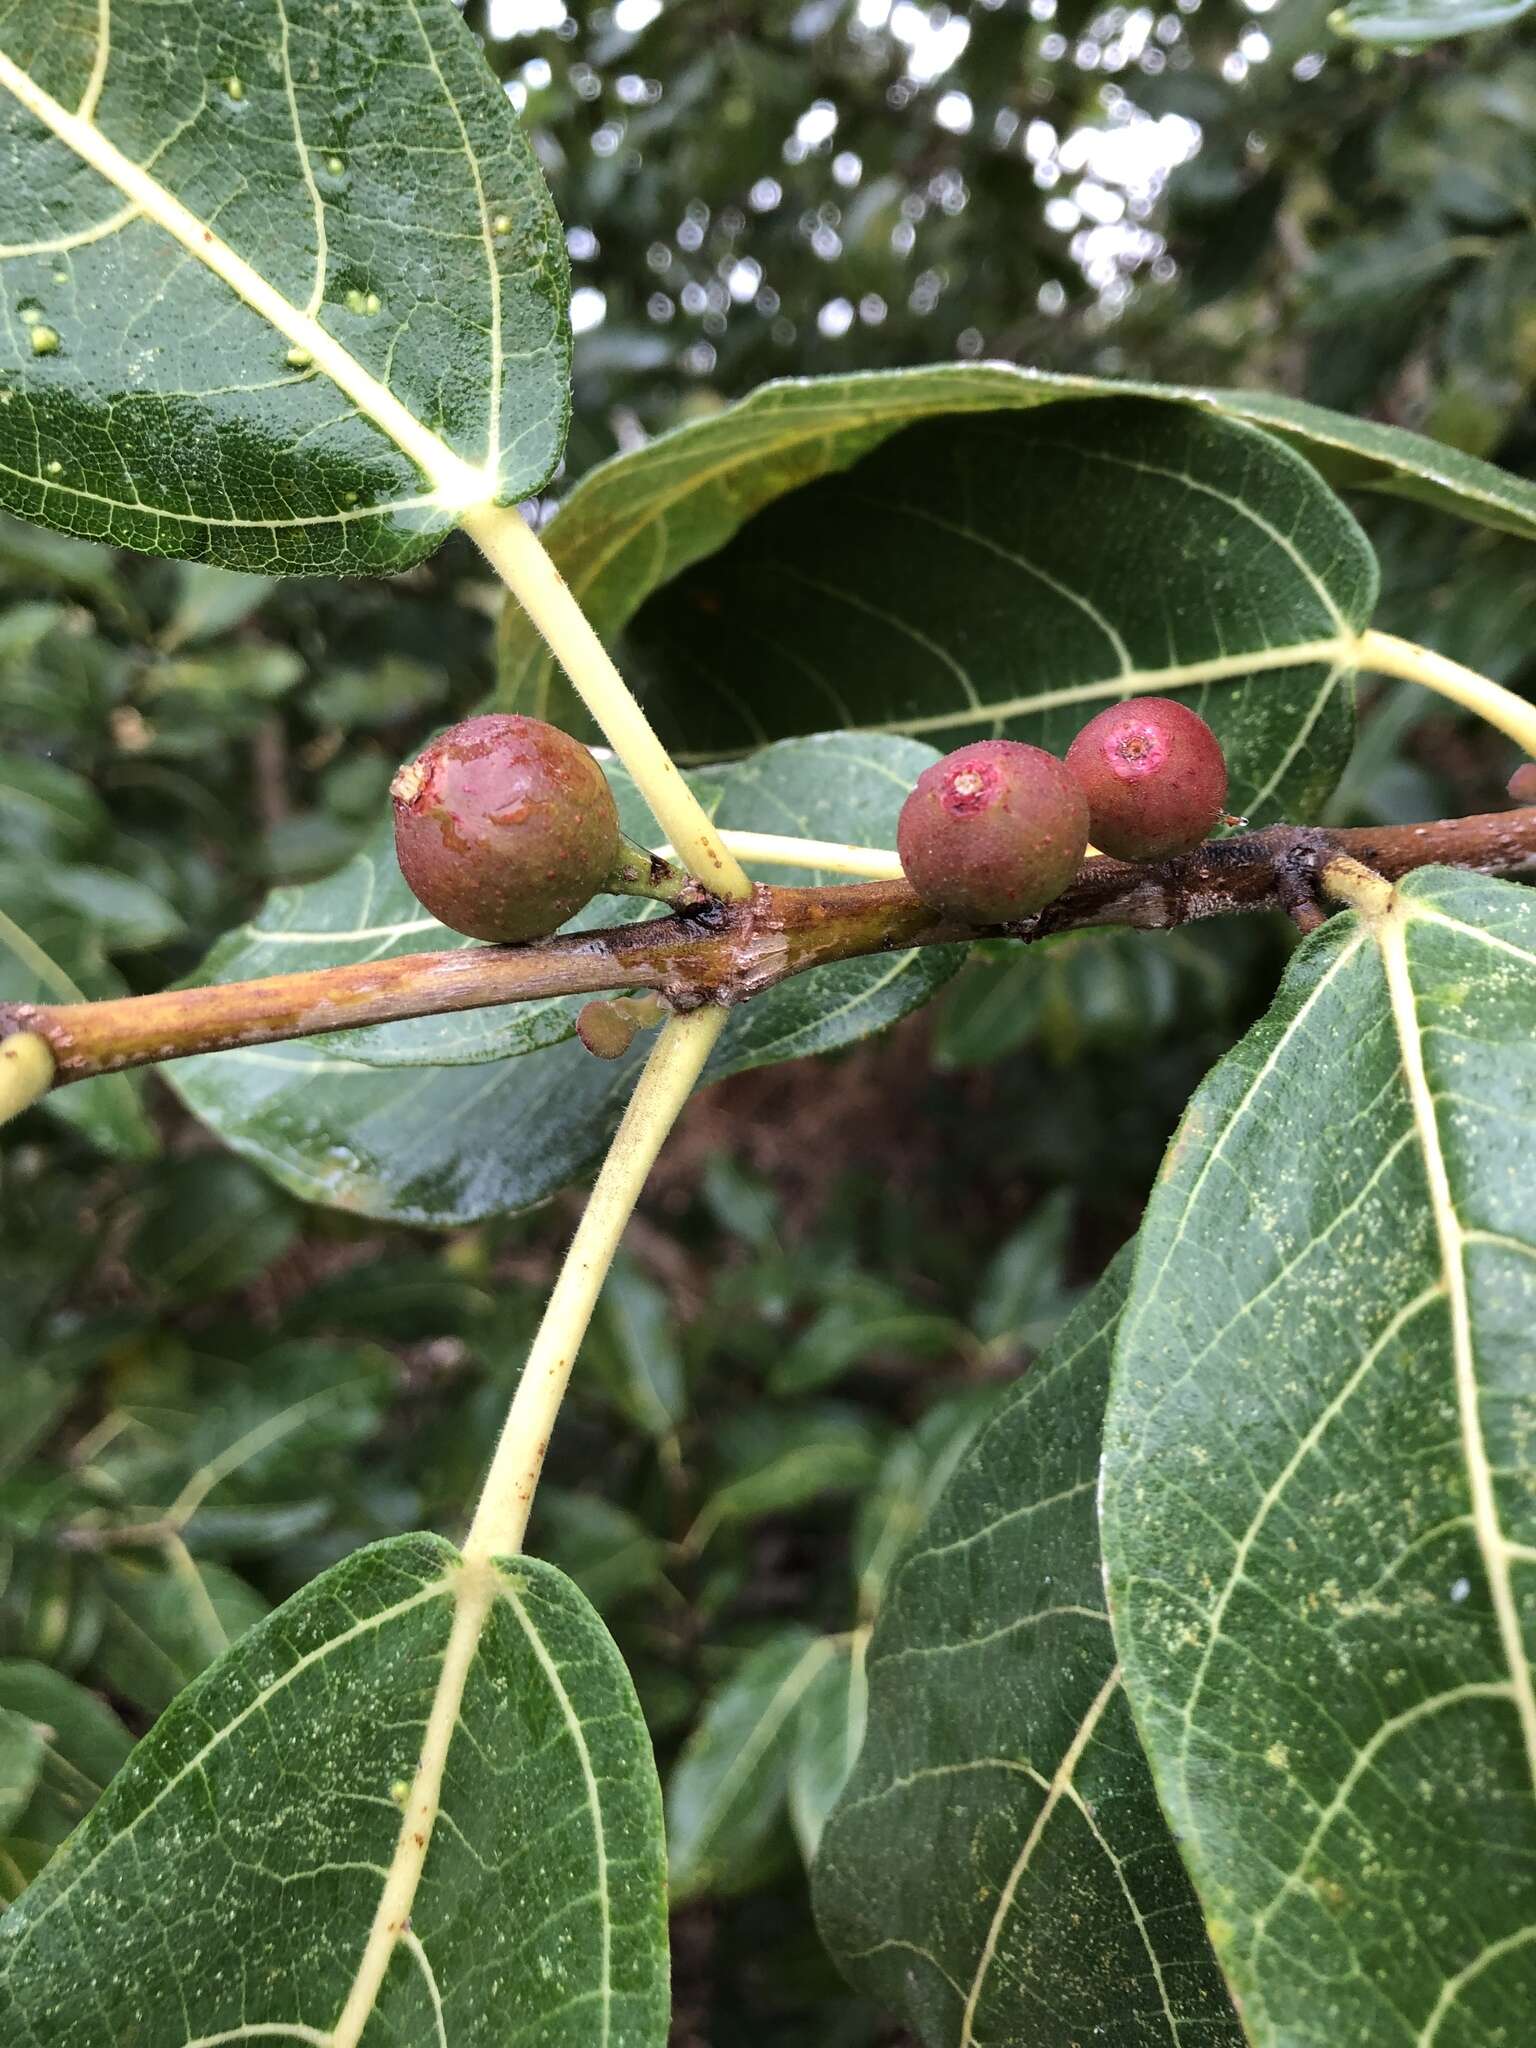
638	521
1014	575
523	1109
224	1886
1319	1521
1047	1905
145	402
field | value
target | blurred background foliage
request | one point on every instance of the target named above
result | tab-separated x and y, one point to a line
212	1391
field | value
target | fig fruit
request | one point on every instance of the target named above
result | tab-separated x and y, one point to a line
993	831
504	827
1154	776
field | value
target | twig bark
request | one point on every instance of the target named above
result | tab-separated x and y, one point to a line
726	952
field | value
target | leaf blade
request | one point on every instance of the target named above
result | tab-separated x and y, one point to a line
1049	1905
517	1918
1336	1351
313	279
706	479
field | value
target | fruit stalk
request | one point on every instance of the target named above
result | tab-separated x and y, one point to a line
728	952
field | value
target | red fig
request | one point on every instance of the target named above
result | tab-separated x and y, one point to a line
1154	776
504	827
993	831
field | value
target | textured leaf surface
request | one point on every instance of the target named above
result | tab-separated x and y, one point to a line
458	1138
225	1885
1013	574
1319	1518
243	319
997	1870
638	521
1404	23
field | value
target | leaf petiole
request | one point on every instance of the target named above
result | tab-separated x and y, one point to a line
675	1063
1386	655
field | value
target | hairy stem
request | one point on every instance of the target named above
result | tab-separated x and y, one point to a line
726	952
1386	655
520	558
675	1064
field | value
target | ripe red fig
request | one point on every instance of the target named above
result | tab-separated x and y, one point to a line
993	831
504	827
1522	784
1154	776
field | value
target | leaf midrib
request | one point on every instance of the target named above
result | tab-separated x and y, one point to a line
1390	931
457	486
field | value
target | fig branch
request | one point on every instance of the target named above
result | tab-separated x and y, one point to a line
724	953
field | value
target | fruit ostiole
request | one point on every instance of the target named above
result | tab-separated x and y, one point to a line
996	830
1154	776
993	831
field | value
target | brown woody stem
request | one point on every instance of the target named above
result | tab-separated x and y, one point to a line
726	952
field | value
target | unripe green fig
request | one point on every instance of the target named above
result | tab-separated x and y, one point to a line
504	827
992	832
1154	776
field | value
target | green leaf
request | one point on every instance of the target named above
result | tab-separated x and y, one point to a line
1318	1512
997	1869
247	324
915	1472
450	1142
166	1623
81	1744
779	1459
21	1764
829	1732
1015	573
47	810
605	1549
638	521
209	1224
726	1795
539	1908
1406	23
634	1351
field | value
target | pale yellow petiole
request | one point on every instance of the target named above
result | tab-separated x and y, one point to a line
676	1061
1385	655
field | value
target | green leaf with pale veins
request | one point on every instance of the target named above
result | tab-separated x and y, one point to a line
1016	573
1404	24
469	1131
226	1884
241	319
638	521
1319	1515
997	1870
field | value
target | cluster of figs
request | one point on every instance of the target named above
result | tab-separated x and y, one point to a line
506	826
